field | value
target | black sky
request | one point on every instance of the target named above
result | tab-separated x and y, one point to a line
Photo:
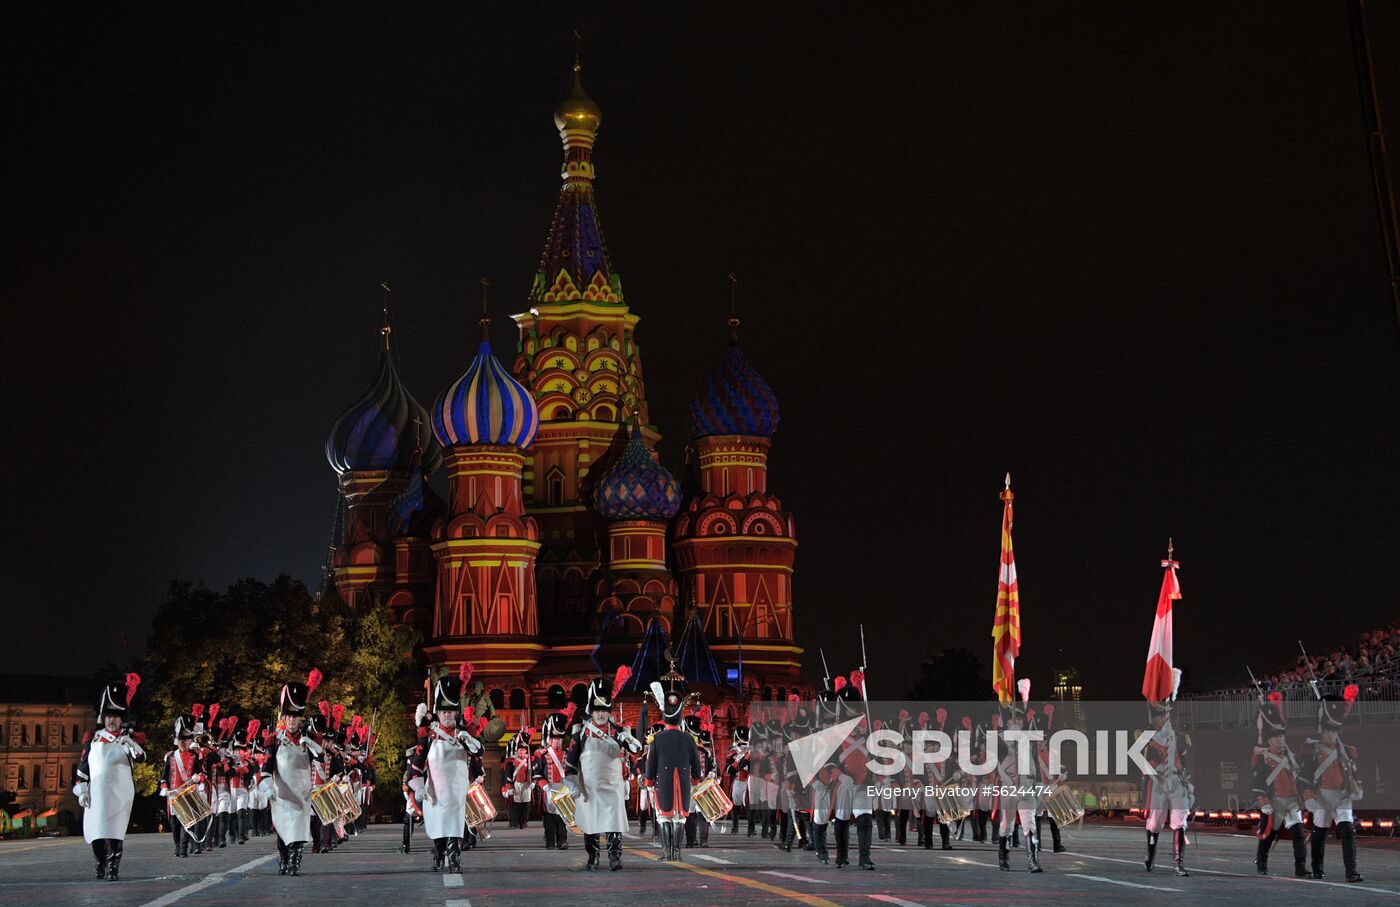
1127	251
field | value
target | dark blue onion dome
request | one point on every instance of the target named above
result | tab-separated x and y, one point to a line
383	429
485	406
734	400
637	487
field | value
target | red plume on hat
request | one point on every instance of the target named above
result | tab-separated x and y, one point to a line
480	725
903	715
858	681
839	683
706	718
568	711
213	713
941	715
313	680
620	679
1349	696
325	706
1048	711
468	714
197	710
355	723
364	732
268	736
465	672
251	729
337	712
967	722
1275	697
132	682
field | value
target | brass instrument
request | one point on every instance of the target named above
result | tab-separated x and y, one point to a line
326	800
563	800
714	803
954	803
1063	806
480	809
189	806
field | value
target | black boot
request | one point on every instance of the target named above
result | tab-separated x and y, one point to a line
1179	852
843	842
1345	830
1261	855
114	858
819	839
1003	855
99	853
284	857
901	829
1056	846
943	832
590	847
1151	849
243	823
439	854
614	850
407	832
1318	843
561	833
454	855
1032	852
642	823
926	831
296	858
549	836
1300	853
221	833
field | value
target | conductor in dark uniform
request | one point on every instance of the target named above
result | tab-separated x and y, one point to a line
673	762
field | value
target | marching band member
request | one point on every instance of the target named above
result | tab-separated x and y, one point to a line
1275	771
1047	781
242	778
104	788
441	772
260	782
938	774
1018	807
673	762
821	810
697	830
515	778
292	751
180	768
412	812
598	757
646	798
736	768
220	783
323	771
1169	792
1332	783
550	774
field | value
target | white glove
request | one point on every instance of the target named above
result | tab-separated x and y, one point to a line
472	745
83	793
133	749
1267	809
417	785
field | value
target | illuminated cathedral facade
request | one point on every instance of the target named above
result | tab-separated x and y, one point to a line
563	547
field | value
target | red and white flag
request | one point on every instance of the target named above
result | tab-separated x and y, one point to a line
1006	625
1157	681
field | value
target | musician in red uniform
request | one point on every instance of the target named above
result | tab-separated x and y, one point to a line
1331	783
736	769
180	768
515	778
549	774
1275	769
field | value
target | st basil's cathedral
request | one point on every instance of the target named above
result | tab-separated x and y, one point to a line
564	548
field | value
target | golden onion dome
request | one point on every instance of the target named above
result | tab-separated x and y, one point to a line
578	110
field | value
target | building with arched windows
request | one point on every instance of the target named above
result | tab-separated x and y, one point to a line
42	723
562	544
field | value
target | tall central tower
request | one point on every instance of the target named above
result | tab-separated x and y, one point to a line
579	357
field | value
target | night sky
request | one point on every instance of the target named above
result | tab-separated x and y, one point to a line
1128	252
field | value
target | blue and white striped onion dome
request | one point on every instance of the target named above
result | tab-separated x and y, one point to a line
377	431
485	406
637	487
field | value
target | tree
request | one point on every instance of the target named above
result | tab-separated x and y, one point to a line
239	647
953	675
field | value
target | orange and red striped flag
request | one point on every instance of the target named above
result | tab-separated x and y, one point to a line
1157	679
1006	627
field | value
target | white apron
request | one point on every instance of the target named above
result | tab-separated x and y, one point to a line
111	789
445	793
291	792
605	810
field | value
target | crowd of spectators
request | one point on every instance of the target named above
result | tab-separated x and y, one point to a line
1376	656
